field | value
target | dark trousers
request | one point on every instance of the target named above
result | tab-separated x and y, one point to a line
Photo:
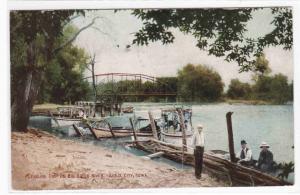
198	153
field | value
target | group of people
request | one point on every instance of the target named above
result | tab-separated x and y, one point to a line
170	120
264	163
265	160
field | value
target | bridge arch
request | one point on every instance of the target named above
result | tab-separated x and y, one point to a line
116	87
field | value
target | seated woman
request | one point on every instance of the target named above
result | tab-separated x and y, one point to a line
265	160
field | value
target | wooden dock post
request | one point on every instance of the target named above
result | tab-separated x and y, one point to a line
133	129
78	132
111	131
153	126
182	126
230	136
92	131
55	120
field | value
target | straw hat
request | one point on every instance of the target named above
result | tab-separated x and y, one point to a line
199	126
264	144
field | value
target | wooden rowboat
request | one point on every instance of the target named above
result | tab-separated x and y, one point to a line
104	133
224	169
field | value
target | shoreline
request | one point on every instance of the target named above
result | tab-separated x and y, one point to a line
52	106
41	161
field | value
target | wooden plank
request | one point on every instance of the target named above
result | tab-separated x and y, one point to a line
92	131
166	144
133	129
78	132
154	155
153	126
111	130
183	129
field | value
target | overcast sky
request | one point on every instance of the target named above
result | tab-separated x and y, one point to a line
116	31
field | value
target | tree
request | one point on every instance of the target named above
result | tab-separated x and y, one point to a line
239	90
62	81
149	87
261	65
167	84
220	32
199	83
36	37
273	88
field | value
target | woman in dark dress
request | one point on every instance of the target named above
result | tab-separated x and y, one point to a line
265	160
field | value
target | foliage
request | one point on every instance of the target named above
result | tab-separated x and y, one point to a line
63	77
145	89
286	168
199	83
261	65
36	38
239	90
221	32
167	84
273	88
34	35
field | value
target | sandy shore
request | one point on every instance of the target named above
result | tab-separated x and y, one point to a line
42	161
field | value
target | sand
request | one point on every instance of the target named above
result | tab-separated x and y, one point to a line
42	161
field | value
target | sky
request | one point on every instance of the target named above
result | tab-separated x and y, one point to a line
112	32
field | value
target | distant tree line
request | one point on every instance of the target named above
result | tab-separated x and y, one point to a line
274	89
193	83
199	83
271	88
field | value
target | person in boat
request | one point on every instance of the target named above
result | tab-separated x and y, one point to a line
265	160
81	113
198	145
165	121
169	120
245	155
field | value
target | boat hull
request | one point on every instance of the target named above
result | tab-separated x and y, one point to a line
64	122
105	133
176	138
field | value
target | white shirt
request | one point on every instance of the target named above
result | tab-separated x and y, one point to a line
198	139
248	155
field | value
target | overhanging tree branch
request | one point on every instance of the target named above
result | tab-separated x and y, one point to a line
75	36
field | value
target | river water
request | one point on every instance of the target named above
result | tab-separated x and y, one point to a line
273	124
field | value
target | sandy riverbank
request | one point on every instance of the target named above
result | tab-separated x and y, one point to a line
42	161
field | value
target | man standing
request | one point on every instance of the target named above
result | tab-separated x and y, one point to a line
245	155
265	160
198	145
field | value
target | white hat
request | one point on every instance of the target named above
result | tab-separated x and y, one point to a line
264	144
199	126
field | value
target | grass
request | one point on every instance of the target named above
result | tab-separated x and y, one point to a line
46	106
248	102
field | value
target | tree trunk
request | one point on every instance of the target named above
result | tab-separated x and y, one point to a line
23	100
94	86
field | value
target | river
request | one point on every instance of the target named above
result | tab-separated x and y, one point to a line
273	124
